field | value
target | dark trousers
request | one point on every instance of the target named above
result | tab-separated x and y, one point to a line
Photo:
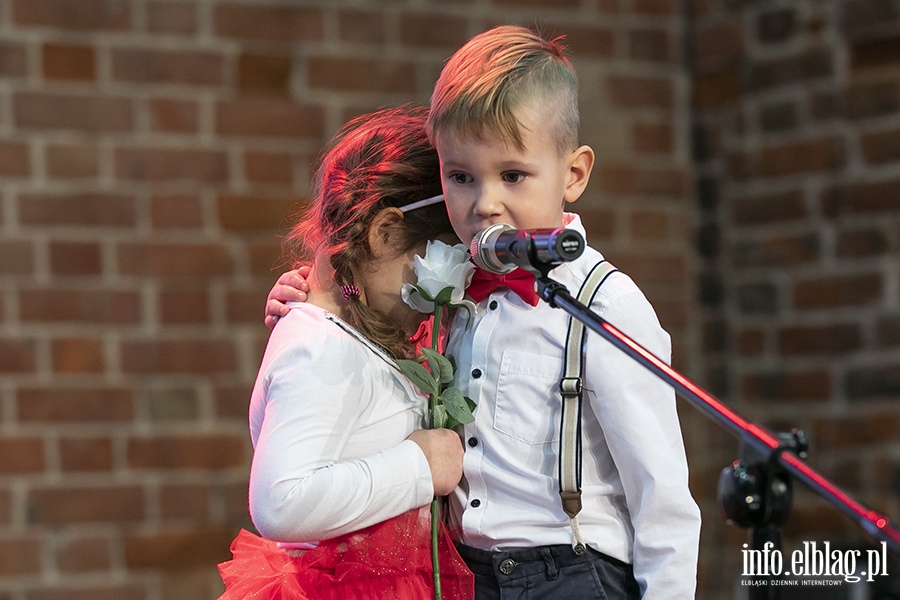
549	573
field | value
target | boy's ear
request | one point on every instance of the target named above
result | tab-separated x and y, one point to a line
579	163
383	231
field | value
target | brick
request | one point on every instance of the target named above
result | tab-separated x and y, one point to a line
654	7
833	339
176	116
651	45
888	331
860	243
649	225
361	75
362	26
269	117
20	556
92	113
870	99
599	223
770	208
20	456
777	251
5	508
187	452
16	258
853	431
74	405
751	342
243	306
174	260
779	116
633	92
652	138
881	147
69	62
168	164
837	291
84	554
75	258
172	17
265	74
433	30
784	385
812	64
13	60
72	161
267	23
589	40
77	209
88	504
189	356
180	306
176	211
873	382
144	65
79	15
232	402
629	180
776	25
874	53
185	501
813	156
92	454
14	161
77	355
112	591
758	298
251	213
720	44
269	167
265	259
172	404
177	549
101	306
861	198
236	502
653	268
17	356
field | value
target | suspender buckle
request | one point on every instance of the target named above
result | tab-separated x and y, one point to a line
571	502
570	386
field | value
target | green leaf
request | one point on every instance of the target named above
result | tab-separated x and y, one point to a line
456	405
444	296
441	367
438	417
419	375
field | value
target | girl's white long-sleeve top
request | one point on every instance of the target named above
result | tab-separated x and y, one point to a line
329	417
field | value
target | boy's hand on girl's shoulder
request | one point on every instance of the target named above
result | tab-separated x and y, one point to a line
290	287
444	451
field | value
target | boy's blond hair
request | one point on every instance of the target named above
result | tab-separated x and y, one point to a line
498	71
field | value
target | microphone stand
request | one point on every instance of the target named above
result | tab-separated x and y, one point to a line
755	491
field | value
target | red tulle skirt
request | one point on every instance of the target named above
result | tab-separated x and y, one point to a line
388	561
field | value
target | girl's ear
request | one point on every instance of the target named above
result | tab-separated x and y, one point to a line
384	231
579	164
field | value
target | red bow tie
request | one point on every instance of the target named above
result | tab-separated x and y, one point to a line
519	281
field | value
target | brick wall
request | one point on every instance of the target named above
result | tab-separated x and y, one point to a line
150	151
796	110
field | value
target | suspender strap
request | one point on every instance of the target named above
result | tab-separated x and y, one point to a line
570	388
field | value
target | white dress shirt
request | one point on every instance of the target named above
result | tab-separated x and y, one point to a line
636	503
329	417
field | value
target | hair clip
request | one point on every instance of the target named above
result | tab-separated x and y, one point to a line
349	290
422	203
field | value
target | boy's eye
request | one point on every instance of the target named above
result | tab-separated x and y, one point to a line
513	177
460	178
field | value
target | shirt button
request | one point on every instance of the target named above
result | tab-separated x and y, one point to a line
473	441
507	566
493	305
475	503
476	373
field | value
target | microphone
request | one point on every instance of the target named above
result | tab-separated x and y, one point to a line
500	248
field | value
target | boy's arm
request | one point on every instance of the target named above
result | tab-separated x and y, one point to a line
290	287
638	415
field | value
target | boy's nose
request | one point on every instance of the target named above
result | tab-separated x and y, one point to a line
487	204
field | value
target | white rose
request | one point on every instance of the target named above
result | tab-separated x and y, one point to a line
443	267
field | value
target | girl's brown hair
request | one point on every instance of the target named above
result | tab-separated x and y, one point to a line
376	161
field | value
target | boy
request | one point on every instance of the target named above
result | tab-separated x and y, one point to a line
504	120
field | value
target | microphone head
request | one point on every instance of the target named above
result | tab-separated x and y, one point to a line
482	249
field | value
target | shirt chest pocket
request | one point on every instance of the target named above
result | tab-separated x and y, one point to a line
527	407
